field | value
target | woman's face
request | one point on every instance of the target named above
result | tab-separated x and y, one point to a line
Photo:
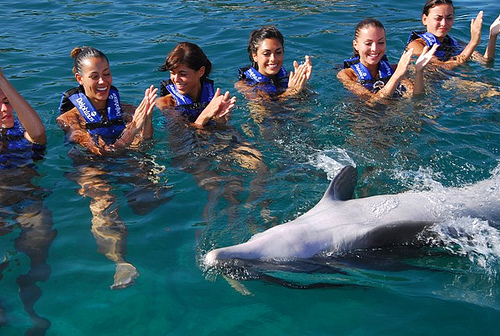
187	81
370	44
96	80
439	20
6	112
269	57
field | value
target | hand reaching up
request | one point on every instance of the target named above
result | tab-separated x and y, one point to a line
425	57
475	28
218	109
145	108
495	27
298	78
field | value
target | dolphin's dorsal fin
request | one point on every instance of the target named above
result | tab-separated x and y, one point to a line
342	186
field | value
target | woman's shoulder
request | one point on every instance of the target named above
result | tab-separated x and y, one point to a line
417	44
347	74
69	117
165	102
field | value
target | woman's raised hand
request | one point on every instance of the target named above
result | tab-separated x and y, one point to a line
218	109
145	108
298	78
475	28
495	27
425	57
403	63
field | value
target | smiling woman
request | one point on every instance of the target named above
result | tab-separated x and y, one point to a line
92	115
369	73
189	91
94	118
266	76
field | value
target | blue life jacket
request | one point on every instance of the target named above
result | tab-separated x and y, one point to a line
449	48
272	86
16	150
184	103
109	130
365	78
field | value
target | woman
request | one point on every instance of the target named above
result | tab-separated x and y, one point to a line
209	149
93	116
266	76
369	73
25	135
437	17
189	91
23	140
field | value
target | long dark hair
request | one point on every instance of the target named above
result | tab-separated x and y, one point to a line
259	35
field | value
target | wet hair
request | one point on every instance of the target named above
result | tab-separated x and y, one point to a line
80	54
432	3
368	22
258	36
188	54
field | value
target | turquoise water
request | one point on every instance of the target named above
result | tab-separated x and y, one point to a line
209	199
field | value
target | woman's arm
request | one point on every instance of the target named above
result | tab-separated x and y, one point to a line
73	125
218	109
475	28
489	54
141	120
420	64
350	80
297	82
35	131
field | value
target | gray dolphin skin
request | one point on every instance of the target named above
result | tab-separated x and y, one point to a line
340	224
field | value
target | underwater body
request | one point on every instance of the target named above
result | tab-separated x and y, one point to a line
184	195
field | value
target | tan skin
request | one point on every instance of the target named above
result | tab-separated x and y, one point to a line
10	101
439	22
33	219
188	82
370	44
96	79
109	230
269	58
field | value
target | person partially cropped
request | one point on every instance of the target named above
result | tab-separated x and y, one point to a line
23	213
438	17
22	131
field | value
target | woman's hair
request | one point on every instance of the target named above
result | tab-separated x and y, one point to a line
188	54
368	22
259	35
79	55
431	3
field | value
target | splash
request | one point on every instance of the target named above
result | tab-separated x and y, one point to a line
332	161
469	237
472	238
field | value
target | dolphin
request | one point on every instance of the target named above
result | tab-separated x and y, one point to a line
340	224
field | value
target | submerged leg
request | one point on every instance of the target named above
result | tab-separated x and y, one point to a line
108	229
35	240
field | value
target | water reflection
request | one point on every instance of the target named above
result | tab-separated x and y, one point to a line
224	164
22	206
